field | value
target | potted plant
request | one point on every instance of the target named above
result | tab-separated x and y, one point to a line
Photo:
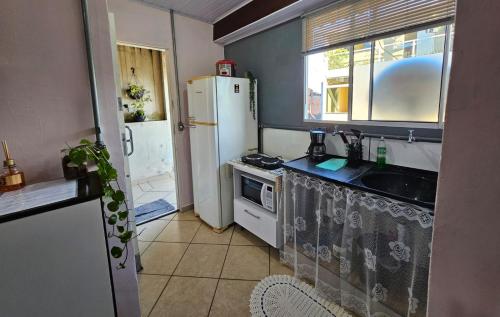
135	92
116	211
140	96
139	116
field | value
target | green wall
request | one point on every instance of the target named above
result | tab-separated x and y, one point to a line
274	57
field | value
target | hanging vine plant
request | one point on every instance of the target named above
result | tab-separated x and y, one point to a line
117	210
251	77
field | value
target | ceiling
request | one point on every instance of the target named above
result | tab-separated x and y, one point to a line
204	10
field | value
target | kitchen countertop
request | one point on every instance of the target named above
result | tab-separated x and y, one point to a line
47	196
351	176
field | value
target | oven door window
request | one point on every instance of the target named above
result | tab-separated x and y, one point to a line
251	189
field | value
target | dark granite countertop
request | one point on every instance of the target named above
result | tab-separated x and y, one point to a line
48	196
351	176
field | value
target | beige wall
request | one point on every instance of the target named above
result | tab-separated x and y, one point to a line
140	24
46	96
43	75
465	262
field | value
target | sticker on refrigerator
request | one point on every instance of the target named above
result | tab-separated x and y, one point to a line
237	89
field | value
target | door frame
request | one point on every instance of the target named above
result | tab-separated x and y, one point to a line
168	103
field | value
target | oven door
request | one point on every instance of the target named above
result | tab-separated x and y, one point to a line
251	189
257	192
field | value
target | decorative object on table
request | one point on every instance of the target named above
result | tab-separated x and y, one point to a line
153	210
226	67
71	170
140	97
284	295
317	147
252	79
11	177
372	256
114	198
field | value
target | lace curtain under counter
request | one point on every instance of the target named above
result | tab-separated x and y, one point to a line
368	253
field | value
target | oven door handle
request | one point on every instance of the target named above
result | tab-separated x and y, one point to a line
262	195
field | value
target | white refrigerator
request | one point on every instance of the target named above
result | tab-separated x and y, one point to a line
222	128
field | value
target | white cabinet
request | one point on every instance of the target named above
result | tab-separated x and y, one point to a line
259	221
55	264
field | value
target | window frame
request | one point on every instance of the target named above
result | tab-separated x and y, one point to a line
384	123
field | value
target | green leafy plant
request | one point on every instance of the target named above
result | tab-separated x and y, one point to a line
114	198
135	91
140	97
251	77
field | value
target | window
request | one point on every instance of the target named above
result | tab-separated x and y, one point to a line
378	61
398	78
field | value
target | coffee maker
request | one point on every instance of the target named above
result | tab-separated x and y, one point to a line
317	148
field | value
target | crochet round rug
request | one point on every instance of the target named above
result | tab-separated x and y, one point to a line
284	295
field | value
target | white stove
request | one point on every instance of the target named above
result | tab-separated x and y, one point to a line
258	171
257	197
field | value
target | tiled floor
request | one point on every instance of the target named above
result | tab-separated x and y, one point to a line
189	270
154	188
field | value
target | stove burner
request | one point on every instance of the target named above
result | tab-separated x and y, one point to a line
262	161
253	157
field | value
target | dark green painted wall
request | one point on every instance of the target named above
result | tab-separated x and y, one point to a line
274	57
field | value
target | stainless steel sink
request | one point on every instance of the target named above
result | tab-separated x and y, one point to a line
413	187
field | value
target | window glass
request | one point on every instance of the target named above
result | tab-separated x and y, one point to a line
407	76
361	81
398	78
327	90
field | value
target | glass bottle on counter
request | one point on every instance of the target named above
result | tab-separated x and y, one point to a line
381	153
11	177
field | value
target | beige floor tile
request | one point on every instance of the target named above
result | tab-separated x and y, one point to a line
150	288
185	297
242	236
202	260
143	245
163	184
186	215
246	262
232	298
179	231
276	267
162	258
206	235
168	217
149	230
145	187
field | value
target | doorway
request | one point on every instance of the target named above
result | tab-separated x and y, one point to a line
148	130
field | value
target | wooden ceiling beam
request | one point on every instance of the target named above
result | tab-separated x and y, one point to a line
249	13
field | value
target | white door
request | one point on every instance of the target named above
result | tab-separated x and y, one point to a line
204	149
125	136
